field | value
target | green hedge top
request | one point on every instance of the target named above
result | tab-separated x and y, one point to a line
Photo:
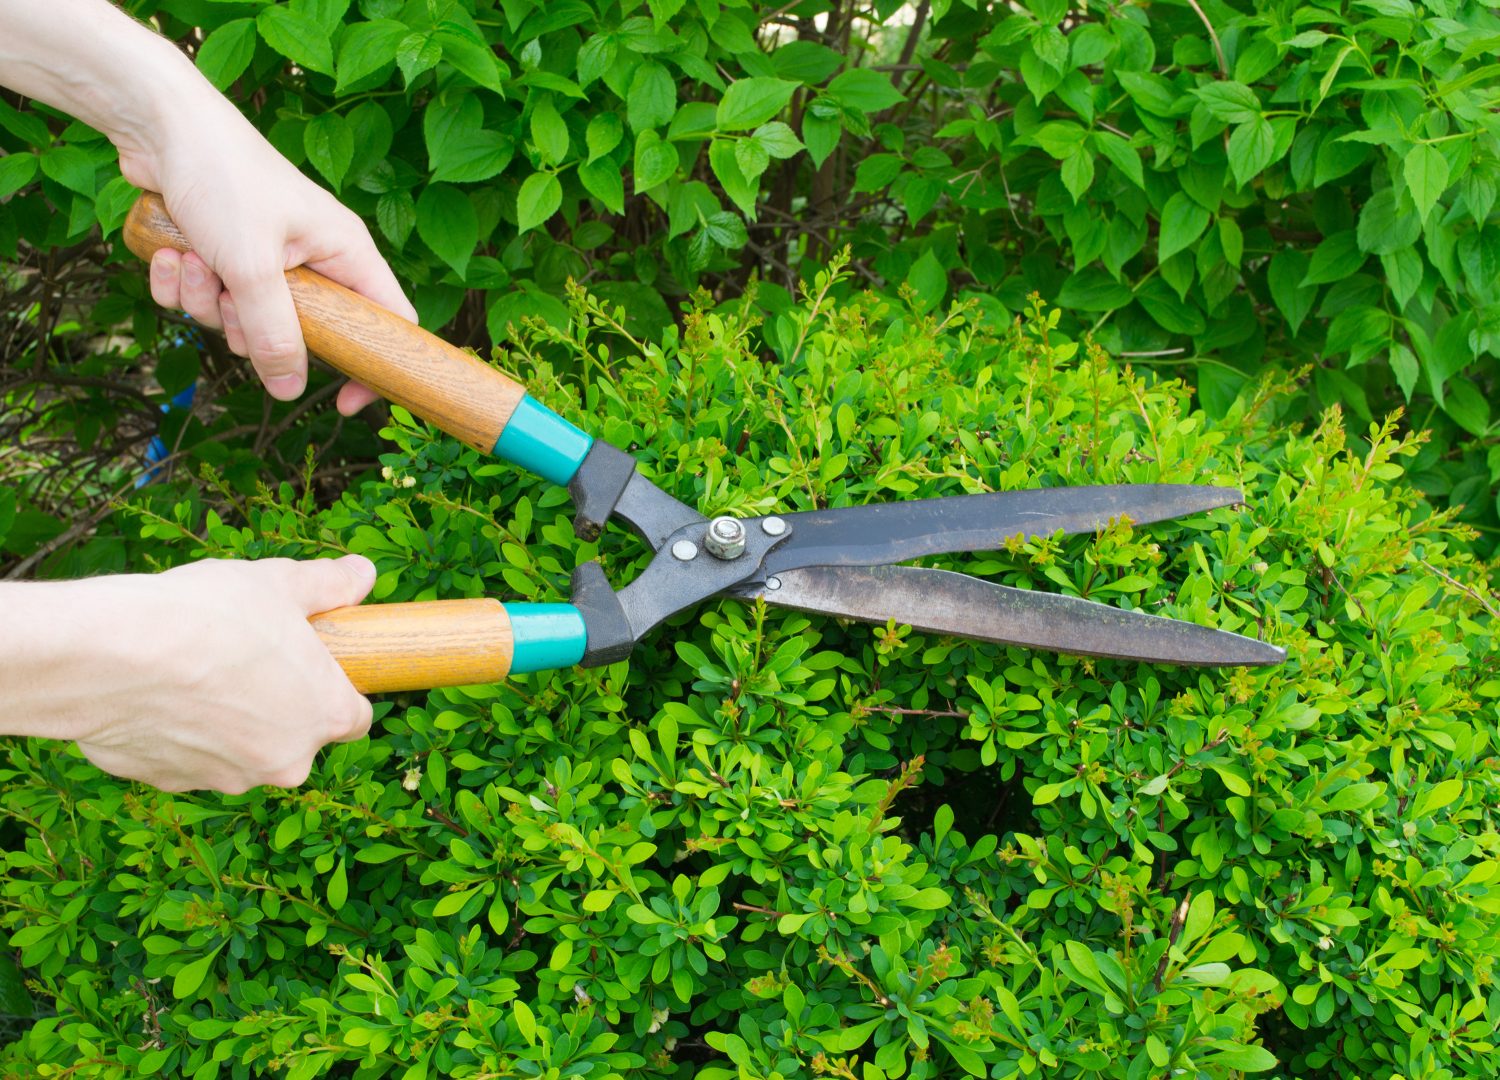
777	845
1306	180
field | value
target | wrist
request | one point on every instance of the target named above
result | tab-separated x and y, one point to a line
67	651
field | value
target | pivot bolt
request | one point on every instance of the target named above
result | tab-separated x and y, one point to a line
773	526
773	583
725	538
685	550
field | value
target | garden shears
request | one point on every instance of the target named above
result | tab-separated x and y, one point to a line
844	562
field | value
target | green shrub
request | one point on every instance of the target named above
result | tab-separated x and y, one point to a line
777	845
1216	187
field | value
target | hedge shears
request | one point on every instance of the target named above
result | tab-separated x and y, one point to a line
844	562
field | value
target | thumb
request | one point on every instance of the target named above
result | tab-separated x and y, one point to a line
325	584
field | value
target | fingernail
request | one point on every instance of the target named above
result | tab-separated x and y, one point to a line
285	387
192	273
163	269
361	567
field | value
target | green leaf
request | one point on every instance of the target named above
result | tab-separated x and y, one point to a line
749	103
655	161
603	180
604	134
1245	1058
928	280
447	223
338	887
727	230
865	90
549	133
416	53
366	49
1078	174
1405	367
740	189
777	139
876	172
1467	406
1091	289
652	98
71	167
1252	146
1182	222
1336	258
1231	102
16	171
1121	154
751	157
296	37
471	56
1385	226
1356	796
1438	796
329	145
805	61
191	975
459	148
539	198
1426	172
821	137
226	52
396	214
1151	92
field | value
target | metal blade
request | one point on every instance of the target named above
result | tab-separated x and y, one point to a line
882	533
943	602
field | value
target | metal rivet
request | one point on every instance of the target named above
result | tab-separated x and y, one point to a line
773	583
725	538
773	526
685	550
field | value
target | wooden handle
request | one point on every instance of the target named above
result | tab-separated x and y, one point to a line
397	359
420	646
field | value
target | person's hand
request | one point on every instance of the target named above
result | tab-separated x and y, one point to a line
248	213
210	676
250	216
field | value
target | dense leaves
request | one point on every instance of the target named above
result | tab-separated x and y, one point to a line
1211	186
770	844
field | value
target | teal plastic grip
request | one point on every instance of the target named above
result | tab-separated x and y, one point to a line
536	438
546	636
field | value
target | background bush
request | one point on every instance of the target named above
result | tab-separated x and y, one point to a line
775	845
1208	187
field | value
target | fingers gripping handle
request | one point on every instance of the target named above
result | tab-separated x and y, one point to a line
404	363
421	646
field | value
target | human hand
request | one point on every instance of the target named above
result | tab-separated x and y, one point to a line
210	676
250	216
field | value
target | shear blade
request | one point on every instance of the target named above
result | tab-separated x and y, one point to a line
944	602
882	533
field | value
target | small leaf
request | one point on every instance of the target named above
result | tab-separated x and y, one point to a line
1182	222
447	223
749	103
1426	172
928	280
330	146
539	198
226	52
191	975
865	90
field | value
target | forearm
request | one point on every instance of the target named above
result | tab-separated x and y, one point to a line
93	61
60	655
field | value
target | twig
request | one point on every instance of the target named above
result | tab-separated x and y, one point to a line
1461	587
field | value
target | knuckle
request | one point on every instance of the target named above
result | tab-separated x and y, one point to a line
291	776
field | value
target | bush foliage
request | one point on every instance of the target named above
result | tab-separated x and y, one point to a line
778	845
1217	186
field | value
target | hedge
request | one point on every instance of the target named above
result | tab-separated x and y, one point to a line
771	844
